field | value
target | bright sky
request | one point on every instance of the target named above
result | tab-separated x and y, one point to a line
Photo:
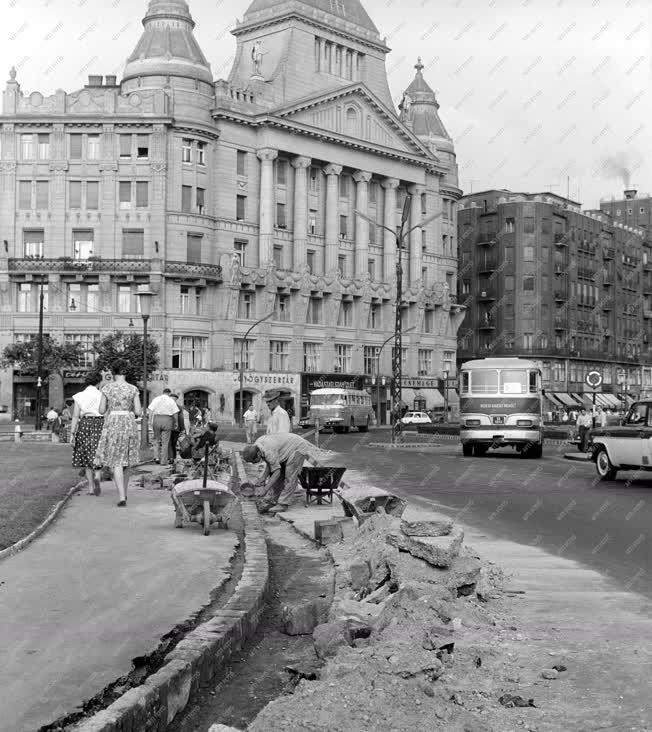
535	93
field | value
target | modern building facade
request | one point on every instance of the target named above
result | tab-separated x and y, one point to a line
545	280
230	200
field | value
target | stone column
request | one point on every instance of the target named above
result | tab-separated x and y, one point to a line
332	238
266	217
300	232
389	259
362	179
415	235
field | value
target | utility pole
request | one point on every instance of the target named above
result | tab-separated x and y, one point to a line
39	361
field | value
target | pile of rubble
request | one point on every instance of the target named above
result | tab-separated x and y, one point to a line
405	637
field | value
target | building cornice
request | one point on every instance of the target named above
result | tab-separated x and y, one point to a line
69	121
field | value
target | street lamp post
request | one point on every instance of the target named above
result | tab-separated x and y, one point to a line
380	350
242	345
446	396
145	298
39	361
400	237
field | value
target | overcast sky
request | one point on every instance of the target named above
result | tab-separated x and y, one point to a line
533	92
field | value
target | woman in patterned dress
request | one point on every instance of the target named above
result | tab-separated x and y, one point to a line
118	447
86	430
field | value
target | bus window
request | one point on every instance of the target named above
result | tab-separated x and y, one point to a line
464	382
534	382
484	382
513	381
328	399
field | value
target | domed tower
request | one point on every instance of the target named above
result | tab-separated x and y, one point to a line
419	111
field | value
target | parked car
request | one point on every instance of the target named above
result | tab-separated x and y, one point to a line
416	418
627	446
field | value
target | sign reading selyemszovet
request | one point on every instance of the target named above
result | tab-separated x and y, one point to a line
594	379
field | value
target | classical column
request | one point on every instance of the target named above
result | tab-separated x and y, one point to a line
389	259
415	235
332	173
300	232
362	179
266	219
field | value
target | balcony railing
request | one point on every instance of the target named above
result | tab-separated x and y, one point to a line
200	271
608	253
561	240
561	294
486	239
64	264
488	293
561	323
487	265
607	304
586	273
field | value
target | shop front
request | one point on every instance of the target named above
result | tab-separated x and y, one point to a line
254	386
431	395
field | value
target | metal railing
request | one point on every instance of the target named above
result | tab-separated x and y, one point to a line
65	264
191	269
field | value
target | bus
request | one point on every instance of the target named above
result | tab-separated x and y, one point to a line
341	409
501	405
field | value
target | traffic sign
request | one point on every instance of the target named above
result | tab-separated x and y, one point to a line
594	379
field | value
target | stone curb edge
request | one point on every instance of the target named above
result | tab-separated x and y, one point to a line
429	447
22	543
197	658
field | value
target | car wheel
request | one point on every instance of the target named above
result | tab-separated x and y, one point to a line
480	450
467	449
535	451
603	465
364	427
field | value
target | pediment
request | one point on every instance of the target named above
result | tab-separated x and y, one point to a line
354	112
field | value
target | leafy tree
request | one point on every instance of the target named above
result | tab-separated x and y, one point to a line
56	356
126	347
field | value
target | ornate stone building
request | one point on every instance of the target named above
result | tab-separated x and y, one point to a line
232	199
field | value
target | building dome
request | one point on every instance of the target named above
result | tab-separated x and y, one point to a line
168	46
419	110
350	10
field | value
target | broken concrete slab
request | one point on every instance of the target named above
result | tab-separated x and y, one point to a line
363	500
360	574
328	531
440	551
303	618
329	637
441	527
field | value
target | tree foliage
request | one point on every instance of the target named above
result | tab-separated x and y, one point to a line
128	348
56	356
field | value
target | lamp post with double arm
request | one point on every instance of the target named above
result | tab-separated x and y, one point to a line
380	350
145	299
400	235
242	346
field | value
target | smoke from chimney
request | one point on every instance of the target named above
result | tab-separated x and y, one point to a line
618	166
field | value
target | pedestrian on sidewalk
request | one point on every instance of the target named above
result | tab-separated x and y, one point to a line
118	446
284	455
584	424
178	428
86	430
163	410
251	423
279	421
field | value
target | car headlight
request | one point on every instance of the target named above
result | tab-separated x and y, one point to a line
524	422
472	422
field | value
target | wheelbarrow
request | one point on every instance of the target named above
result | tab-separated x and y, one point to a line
320	482
203	501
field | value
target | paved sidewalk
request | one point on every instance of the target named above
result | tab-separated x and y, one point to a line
99	588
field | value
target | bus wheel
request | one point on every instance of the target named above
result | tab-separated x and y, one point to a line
338	430
536	451
480	450
364	427
467	449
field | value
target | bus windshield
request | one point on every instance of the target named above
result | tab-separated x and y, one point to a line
328	399
513	381
484	381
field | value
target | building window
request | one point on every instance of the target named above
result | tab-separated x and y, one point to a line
424	356
528	224
127	300
282	307
310	260
186	198
343	357
373	234
371	268
24	297
201	153
27	149
186	150
87	357
33	241
373	191
187	301
509	226
133	243
404	352
341	264
448	361
312	221
241	162
314	311
125	146
344	186
428	321
189	352
528	284
193	246
528	341
24	194
75	147
201	197
93	147
370	359
142	146
246	302
92	195
75	194
345	319
142	194
311	356
424	204
82	244
281	172
528	254
344	226
280	216
374	322
314	180
240	208
83	298
124	194
241	250
279	355
42	194
277	255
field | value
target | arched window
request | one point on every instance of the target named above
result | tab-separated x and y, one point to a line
351	126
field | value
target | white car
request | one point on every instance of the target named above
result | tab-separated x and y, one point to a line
416	418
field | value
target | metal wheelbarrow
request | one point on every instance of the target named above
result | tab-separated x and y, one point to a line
203	501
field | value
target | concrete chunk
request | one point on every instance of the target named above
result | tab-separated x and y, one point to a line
441	527
328	637
440	551
303	618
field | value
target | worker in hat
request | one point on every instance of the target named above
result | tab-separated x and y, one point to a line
279	421
284	456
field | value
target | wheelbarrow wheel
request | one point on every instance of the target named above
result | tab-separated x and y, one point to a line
207	517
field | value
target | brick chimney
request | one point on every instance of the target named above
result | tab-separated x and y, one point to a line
630	193
94	80
110	80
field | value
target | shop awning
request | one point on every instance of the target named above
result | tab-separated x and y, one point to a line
554	400
612	401
565	399
585	400
626	399
603	400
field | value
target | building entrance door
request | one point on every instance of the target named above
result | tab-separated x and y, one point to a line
247	396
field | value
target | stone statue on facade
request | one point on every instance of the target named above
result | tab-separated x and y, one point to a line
236	274
257	54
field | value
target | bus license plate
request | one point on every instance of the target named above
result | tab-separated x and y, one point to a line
499	420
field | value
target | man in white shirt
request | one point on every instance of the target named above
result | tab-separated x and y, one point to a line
251	422
584	424
162	409
279	421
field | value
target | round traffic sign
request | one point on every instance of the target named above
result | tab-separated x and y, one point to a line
594	379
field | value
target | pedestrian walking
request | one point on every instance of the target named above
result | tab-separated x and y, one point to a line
251	423
178	428
163	410
584	423
206	416
279	421
284	455
564	416
118	446
600	418
52	416
86	430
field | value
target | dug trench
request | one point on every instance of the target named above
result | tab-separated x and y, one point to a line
273	662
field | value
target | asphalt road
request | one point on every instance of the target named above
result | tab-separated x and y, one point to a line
554	503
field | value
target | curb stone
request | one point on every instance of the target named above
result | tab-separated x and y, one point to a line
22	543
198	656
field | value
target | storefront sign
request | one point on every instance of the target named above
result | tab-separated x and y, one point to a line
158	376
418	383
310	382
76	374
253	378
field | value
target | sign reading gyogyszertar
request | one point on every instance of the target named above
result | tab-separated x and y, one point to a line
266	379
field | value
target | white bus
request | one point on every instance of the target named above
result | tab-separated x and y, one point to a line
341	409
501	403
